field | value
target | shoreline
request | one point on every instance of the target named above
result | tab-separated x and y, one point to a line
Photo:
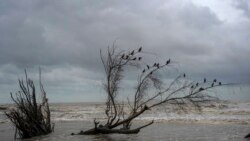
156	131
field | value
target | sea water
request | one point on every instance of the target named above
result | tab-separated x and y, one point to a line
220	121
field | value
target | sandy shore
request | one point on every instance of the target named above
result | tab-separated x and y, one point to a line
156	132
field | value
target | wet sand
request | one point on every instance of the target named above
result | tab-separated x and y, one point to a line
161	131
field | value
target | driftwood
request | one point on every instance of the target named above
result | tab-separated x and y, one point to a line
150	91
29	117
105	130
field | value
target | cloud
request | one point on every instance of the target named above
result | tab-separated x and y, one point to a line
243	5
65	38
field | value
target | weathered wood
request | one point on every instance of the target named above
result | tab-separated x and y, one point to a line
105	130
110	130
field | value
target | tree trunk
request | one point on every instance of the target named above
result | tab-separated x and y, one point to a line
247	136
105	130
108	131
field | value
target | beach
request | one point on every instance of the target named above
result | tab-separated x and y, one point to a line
158	132
221	122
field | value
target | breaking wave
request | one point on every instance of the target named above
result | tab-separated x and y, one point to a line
217	113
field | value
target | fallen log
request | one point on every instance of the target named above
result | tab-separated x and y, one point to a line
105	130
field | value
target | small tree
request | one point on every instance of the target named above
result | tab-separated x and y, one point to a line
29	117
150	91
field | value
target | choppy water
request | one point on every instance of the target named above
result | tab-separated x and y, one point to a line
220	112
221	121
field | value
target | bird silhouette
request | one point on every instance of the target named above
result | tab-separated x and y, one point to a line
154	65
143	71
139	58
148	66
201	89
215	80
192	87
127	57
151	72
158	65
123	56
134	58
219	83
205	80
197	84
168	62
184	75
132	53
140	49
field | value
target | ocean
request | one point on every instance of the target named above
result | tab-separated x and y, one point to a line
222	120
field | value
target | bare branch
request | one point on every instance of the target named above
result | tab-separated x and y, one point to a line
29	117
150	91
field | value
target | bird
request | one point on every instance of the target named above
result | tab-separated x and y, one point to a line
139	50
212	85
205	80
148	66
158	65
123	56
168	61
201	89
192	87
219	83
215	80
184	75
154	65
197	84
139	58
132	53
134	58
143	71
127	57
151	72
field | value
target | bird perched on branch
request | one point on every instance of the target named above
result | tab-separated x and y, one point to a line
168	62
201	89
143	71
127	57
184	75
148	66
215	80
123	56
158	65
205	80
139	58
197	84
151	72
219	83
139	50
134	58
132	53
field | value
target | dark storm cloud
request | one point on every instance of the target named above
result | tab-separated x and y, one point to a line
64	38
243	5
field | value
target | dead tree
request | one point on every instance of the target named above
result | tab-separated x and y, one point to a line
180	91
29	117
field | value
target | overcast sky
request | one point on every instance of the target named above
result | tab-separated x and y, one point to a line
206	38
